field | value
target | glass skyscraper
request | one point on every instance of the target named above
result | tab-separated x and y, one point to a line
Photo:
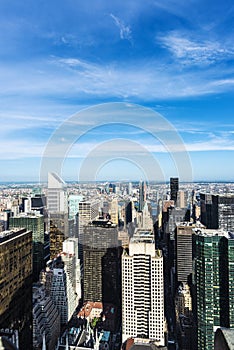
214	283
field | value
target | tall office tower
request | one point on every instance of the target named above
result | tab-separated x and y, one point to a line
142	194
73	208
182	199
57	205
184	251
130	188
214	273
174	188
72	263
46	319
101	262
57	195
147	221
88	211
209	210
217	211
226	212
25	205
38	203
105	208
59	279
73	205
34	222
114	211
142	290
16	283
128	212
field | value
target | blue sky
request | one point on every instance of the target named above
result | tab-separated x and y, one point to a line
174	57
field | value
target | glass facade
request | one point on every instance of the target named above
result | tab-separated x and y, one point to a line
214	284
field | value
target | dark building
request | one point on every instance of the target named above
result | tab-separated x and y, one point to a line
142	195
16	283
174	188
101	262
209	210
58	223
34	222
128	212
184	247
214	274
226	212
38	202
217	211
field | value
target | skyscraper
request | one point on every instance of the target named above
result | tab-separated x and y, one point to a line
101	262
60	279
57	205
46	320
73	205
217	211
184	253
142	290
142	195
174	188
209	210
34	222
88	211
214	275
56	197
16	283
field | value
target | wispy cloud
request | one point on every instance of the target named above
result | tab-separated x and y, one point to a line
124	30
157	80
193	51
25	149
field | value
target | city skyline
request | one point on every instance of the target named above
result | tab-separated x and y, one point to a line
174	58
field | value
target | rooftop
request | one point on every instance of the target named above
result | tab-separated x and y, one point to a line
9	234
32	215
212	232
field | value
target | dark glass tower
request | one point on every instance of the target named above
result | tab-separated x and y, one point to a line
35	223
214	284
101	262
174	187
217	211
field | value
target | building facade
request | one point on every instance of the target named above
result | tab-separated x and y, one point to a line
217	211
214	275
174	188
184	251
142	290
34	222
46	319
101	262
16	283
88	211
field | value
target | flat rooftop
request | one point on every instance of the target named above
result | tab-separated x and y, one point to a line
9	234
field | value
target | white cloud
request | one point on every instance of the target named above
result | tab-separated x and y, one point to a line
156	80
124	30
60	81
193	51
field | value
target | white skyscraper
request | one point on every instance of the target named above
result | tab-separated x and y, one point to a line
142	290
72	263
59	284
57	196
